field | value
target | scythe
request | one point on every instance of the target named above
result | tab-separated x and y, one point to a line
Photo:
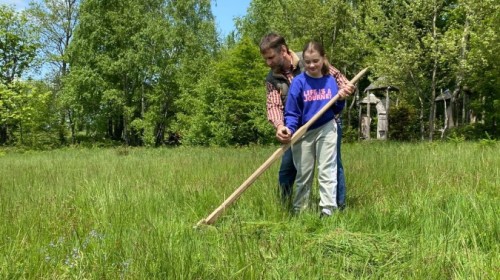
210	219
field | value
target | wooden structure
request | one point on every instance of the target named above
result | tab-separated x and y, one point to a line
378	94
445	97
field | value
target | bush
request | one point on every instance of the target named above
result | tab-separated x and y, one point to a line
349	134
403	122
475	131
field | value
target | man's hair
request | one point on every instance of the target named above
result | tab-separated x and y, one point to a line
317	46
272	41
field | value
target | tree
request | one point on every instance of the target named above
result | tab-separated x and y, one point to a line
194	47
56	21
17	44
481	51
140	55
27	113
17	50
228	105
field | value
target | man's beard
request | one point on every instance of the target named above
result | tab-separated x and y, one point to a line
280	66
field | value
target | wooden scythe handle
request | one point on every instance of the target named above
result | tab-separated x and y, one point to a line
210	219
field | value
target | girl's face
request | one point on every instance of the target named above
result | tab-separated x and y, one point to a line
314	63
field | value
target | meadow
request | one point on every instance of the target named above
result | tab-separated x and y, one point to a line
415	211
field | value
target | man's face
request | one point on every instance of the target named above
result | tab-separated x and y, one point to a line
274	59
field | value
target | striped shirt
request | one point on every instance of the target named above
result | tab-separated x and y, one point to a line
275	107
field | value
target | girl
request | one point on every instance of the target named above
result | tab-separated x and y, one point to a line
308	93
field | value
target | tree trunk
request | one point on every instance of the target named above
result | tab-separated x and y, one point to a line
432	113
4	138
62	138
422	125
160	128
421	117
464	109
72	126
460	74
445	119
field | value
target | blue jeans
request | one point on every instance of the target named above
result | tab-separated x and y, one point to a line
341	189
286	176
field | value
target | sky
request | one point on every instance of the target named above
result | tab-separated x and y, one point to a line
224	11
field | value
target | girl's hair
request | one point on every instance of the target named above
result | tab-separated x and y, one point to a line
317	46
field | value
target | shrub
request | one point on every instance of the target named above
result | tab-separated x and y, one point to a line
403	122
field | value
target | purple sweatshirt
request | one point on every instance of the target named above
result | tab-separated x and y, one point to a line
306	97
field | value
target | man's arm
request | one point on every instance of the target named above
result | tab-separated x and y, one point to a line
275	113
345	87
274	106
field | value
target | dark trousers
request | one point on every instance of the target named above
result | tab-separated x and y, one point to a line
341	190
286	176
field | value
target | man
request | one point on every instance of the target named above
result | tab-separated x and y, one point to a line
285	65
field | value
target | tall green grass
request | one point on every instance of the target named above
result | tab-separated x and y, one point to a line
415	211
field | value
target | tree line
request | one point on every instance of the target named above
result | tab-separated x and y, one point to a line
157	72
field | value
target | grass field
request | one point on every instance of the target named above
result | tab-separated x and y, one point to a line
415	211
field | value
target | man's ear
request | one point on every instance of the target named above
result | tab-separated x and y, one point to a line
283	49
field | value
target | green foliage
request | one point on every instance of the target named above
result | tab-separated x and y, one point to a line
227	108
18	44
474	132
405	122
488	141
350	135
420	55
55	23
29	114
151	72
456	138
334	23
141	54
18	48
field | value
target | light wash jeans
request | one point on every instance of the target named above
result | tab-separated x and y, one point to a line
287	173
316	146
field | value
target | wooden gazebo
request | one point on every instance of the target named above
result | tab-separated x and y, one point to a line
378	94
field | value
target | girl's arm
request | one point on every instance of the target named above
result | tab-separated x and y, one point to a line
294	106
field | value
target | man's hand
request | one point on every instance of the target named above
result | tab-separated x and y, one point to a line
345	92
342	94
283	134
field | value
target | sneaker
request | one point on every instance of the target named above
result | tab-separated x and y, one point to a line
325	212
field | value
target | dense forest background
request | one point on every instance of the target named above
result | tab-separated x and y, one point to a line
156	72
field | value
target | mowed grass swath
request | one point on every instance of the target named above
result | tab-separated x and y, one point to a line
415	211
